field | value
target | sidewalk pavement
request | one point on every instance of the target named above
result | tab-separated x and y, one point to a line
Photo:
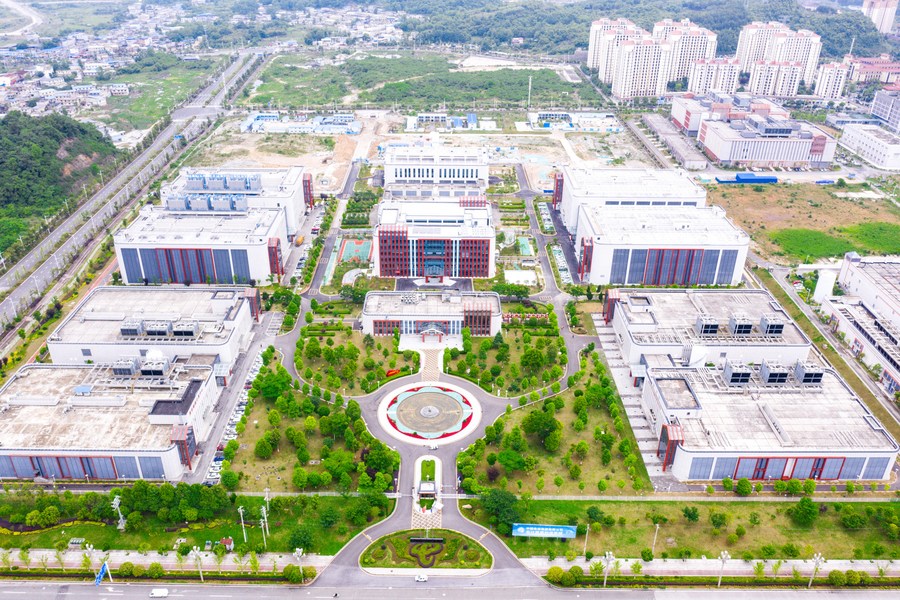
74	559
712	566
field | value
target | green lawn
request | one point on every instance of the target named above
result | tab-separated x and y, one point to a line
877	238
427	470
808	244
631	529
457	551
153	536
60	19
374	70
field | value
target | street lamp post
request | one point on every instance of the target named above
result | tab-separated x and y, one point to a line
818	559
653	546
117	501
608	559
264	521
262	525
724	557
243	529
266	491
89	549
298	554
198	558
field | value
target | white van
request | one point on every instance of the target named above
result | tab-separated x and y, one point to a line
159	593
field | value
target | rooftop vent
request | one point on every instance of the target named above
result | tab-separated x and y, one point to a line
706	325
808	373
773	373
737	373
740	324
771	324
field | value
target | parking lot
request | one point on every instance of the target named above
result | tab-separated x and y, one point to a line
214	471
546	219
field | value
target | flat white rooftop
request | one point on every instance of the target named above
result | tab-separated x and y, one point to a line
155	225
256	182
397	304
632	183
676	226
670	316
883	272
89	408
775	418
434	154
100	316
882	135
432	218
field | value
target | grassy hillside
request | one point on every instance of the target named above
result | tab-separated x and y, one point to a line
43	161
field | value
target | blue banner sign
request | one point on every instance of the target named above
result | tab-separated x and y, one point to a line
104	569
544	531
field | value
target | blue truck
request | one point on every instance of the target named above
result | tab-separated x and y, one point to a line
748	178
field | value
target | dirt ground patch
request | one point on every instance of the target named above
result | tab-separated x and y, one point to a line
611	149
226	148
785	206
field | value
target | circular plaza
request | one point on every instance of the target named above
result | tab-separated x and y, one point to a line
431	413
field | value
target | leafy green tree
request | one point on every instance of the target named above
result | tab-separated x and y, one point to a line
744	487
804	513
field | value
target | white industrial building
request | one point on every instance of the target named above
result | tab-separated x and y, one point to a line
775	78
434	170
648	246
886	106
869	313
574	187
729	391
875	145
831	80
125	323
142	420
767	142
722	74
230	190
431	314
689	112
163	246
435	240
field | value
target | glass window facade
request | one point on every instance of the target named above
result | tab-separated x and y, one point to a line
700	468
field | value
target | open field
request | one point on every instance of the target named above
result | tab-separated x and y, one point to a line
767	530
63	18
818	223
415	81
11	20
611	149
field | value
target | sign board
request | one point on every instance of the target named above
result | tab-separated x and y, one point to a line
104	569
544	531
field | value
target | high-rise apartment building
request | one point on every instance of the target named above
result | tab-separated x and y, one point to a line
753	41
882	13
722	74
641	69
831	80
689	43
774	78
777	42
606	37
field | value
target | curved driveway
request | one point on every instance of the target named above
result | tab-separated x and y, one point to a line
507	571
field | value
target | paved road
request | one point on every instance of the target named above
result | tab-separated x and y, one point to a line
433	589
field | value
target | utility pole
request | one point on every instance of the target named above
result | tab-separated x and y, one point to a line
818	559
724	557
262	525
528	106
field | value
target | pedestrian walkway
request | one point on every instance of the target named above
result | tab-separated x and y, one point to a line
431	363
711	566
429	519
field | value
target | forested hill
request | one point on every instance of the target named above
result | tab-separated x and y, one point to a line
43	161
561	28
